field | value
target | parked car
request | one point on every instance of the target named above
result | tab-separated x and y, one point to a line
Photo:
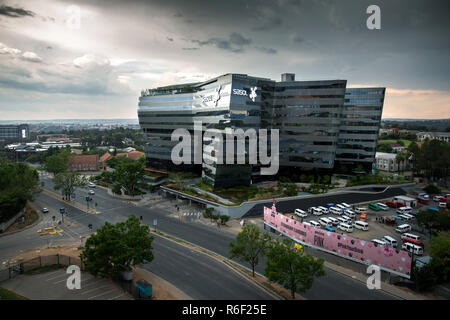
394	204
443	204
300	213
329	205
361	210
422	200
315	224
412	248
382	206
327	228
437	198
91	192
350	213
91	185
44	210
424	195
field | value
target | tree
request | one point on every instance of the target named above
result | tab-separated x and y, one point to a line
440	254
57	163
432	189
117	189
399	159
224	218
433	221
116	248
384	147
294	271
249	245
67	182
414	153
129	174
19	183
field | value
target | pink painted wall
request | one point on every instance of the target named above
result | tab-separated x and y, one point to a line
341	244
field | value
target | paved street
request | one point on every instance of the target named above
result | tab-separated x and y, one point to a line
332	286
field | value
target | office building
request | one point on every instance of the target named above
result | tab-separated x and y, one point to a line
14	132
319	122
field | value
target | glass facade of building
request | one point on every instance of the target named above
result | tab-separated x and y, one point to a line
14	132
360	123
317	122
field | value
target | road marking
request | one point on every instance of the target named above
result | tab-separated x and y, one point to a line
48	274
64	274
106	285
116	297
102	294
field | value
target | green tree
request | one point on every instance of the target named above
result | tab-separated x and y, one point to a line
294	271
432	189
19	183
384	147
440	254
57	163
116	248
68	181
249	246
129	174
117	189
414	152
224	219
399	159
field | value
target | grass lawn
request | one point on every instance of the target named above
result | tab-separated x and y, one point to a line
406	142
9	295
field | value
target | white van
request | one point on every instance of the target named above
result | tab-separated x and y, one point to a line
378	242
347	218
346	205
411	236
409	215
325	222
334	221
405	217
382	206
403	228
361	225
342	220
323	209
412	248
350	213
315	224
345	227
403	210
340	206
390	241
336	210
361	210
315	211
301	213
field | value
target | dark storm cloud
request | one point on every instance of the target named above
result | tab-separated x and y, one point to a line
235	43
15	12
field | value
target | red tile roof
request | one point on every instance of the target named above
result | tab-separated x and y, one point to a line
81	159
105	157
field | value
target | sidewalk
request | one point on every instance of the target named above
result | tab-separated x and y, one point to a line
404	294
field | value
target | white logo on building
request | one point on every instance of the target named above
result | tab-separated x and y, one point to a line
374	281
74	281
214	98
253	94
243	92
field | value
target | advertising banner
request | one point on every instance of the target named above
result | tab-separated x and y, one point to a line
362	251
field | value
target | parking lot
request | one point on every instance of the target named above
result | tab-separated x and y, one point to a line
52	286
377	229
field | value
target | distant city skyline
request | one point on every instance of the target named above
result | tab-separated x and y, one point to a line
53	69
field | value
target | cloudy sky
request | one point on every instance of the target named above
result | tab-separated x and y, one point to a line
56	64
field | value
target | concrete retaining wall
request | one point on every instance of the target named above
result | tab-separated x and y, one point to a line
7	224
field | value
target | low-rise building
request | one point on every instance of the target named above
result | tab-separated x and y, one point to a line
84	163
442	136
396	147
387	162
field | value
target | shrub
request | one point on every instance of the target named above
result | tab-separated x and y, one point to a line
117	189
224	219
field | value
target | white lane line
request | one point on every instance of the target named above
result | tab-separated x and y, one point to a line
90	284
64	274
114	298
102	294
106	285
48	274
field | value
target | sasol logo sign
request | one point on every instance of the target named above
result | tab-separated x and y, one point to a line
243	92
215	97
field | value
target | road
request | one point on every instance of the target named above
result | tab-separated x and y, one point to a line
331	286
